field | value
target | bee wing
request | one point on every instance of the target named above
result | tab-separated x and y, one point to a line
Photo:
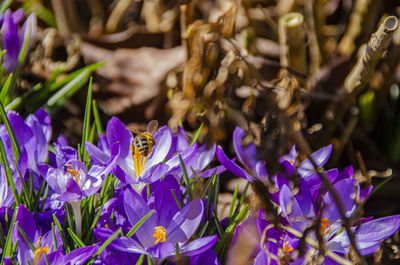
134	130
152	126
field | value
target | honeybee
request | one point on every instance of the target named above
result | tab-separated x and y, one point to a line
144	141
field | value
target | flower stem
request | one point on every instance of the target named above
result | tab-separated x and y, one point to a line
76	206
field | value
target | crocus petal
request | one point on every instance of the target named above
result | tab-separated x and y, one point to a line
314	181
80	255
231	166
29	27
371	233
246	154
185	222
118	133
199	245
53	258
179	143
347	190
205	157
96	154
136	208
45	121
162	139
262	259
126	244
364	193
320	157
162	250
207	258
26	222
10	41
186	155
154	173
161	197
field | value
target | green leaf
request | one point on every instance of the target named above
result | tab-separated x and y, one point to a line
10	132
206	187
54	236
186	178
107	242
380	185
8	247
59	229
138	224
149	262
23	234
41	12
8	172
176	199
76	239
233	202
86	122
140	260
5	91
97	117
4	5
196	134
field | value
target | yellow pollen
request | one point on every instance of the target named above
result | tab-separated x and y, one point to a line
285	247
159	234
39	252
325	227
138	160
106	225
74	174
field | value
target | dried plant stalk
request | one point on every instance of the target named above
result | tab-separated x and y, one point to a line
370	55
116	15
292	42
347	45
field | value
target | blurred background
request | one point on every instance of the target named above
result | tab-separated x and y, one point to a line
275	68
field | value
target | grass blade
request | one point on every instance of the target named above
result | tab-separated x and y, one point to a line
7	247
86	122
107	242
76	239
97	117
25	237
138	224
186	178
6	89
8	172
196	134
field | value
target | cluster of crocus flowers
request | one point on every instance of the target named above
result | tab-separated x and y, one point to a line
123	206
12	38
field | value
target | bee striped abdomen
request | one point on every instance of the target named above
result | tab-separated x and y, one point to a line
144	143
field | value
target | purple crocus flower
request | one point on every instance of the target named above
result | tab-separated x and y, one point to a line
77	256
119	138
32	135
247	155
306	169
42	243
6	196
300	211
72	182
130	168
12	40
166	229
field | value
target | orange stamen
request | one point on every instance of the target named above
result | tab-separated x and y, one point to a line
74	174
285	247
159	234
39	252
325	227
